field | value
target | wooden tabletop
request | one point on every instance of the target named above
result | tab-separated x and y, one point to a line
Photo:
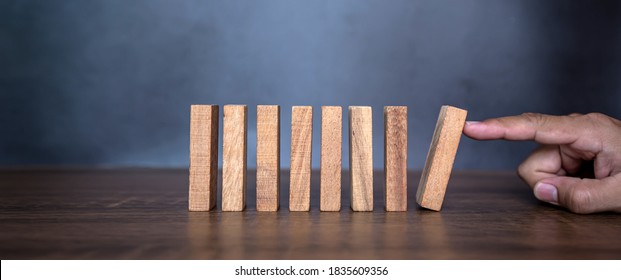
142	214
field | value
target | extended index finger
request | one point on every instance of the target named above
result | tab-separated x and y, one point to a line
545	129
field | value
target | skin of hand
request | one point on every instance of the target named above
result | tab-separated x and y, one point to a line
577	166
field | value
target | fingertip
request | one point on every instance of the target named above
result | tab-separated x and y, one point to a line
471	128
480	130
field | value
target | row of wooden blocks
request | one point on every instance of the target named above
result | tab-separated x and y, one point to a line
204	158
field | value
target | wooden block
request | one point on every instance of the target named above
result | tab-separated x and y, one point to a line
361	157
395	158
437	171
268	158
203	157
235	140
301	145
331	151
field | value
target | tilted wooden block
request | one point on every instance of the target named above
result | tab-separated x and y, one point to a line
331	151
395	158
442	151
301	147
268	157
203	157
361	157
234	136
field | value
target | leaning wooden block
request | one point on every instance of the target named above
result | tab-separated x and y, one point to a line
361	157
268	157
203	157
442	151
234	136
301	145
395	158
331	150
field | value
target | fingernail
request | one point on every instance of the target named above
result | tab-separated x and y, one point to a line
472	122
546	192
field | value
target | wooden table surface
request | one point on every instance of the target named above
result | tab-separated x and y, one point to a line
142	214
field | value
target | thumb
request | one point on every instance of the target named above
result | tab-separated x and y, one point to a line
582	196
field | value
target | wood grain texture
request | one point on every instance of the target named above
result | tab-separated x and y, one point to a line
235	138
331	158
395	158
142	214
203	157
301	150
268	157
439	163
361	157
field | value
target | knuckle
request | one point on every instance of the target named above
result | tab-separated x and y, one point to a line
602	124
523	169
597	118
535	118
581	201
527	172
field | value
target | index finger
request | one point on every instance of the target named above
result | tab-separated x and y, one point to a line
545	129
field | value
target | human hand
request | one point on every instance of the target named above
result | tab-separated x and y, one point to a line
578	165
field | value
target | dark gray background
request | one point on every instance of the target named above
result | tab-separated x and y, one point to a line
110	82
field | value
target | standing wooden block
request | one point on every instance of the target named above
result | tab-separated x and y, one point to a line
301	145
331	149
395	158
203	157
437	171
268	157
361	157
234	157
